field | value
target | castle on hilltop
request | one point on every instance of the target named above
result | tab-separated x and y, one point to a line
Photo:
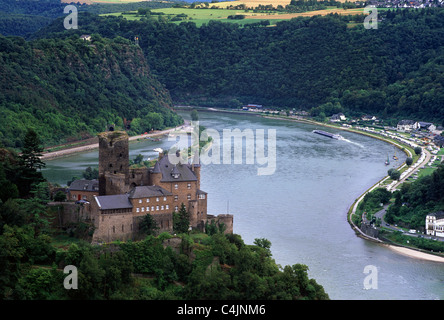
125	195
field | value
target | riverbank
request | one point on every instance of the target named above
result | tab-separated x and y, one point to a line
411	252
93	146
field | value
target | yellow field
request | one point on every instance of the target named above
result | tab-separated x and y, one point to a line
102	1
307	14
253	3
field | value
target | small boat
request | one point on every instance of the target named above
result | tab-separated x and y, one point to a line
328	134
387	162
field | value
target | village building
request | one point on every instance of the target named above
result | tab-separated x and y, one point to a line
426	126
438	140
407	125
368	118
85	37
337	117
434	224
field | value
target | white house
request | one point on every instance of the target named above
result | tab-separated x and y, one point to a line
435	224
85	37
407	125
427	126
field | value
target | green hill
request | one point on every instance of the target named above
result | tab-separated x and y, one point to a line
71	89
394	71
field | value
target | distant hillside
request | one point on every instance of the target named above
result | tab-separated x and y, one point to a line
24	17
70	89
395	71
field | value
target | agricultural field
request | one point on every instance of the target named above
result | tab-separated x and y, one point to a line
202	16
254	3
102	1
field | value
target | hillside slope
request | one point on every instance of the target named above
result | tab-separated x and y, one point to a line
394	71
70	89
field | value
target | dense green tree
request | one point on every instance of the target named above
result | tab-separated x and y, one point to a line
90	173
181	220
148	225
194	115
418	150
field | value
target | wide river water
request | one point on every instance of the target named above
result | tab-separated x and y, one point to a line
302	207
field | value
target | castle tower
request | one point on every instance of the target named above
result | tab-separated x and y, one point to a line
113	162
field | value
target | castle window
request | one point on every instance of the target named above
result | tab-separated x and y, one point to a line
152	208
176	198
189	185
110	165
143	209
137	209
161	208
157	199
189	196
176	186
201	196
147	200
147	208
140	200
164	198
167	207
176	208
157	208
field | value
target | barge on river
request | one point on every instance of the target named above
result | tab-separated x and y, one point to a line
328	134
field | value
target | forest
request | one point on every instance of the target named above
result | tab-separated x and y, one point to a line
417	199
395	71
34	251
24	17
70	89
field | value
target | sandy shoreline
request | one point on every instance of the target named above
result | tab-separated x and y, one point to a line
65	152
416	254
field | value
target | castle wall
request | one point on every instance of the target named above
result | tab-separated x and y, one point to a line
112	227
226	219
138	177
65	213
115	183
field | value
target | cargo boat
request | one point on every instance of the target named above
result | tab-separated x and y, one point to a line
328	134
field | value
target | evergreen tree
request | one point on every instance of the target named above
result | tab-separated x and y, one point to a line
148	225
181	220
27	174
32	151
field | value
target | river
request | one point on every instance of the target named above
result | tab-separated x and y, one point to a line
302	207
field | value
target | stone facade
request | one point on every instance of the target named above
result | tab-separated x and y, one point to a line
83	190
126	195
113	162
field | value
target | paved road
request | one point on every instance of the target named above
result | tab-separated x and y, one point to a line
428	155
381	214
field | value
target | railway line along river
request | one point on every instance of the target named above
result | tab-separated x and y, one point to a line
302	207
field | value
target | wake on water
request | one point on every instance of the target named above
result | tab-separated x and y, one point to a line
358	144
